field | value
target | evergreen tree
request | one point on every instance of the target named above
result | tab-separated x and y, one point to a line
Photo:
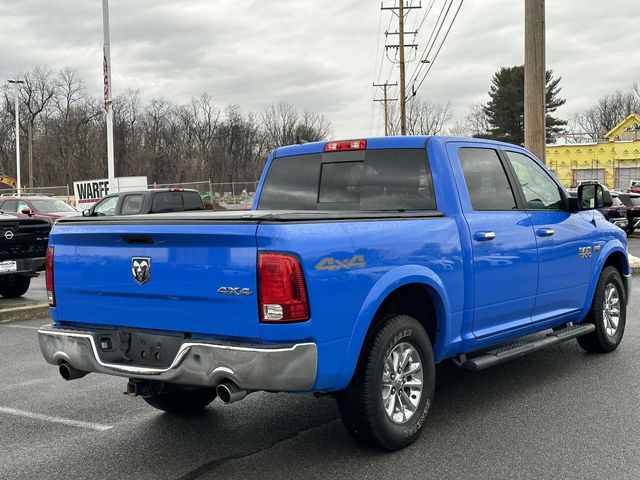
505	110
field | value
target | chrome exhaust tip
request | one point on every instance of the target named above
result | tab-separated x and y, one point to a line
229	392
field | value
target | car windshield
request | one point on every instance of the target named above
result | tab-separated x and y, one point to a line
635	201
617	202
51	206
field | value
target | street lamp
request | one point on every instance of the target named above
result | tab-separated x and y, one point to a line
16	84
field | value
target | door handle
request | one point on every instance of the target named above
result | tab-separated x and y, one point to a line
484	236
545	232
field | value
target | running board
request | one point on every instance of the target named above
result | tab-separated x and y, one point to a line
510	351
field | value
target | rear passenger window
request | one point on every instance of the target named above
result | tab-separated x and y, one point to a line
132	204
486	179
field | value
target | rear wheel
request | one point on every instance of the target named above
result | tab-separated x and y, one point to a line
391	394
181	400
608	313
14	286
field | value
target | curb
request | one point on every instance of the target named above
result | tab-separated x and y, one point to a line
634	262
23	312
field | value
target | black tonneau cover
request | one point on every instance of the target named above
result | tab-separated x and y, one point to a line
248	216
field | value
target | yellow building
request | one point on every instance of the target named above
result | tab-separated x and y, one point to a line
614	161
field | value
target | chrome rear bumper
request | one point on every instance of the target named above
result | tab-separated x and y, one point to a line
197	363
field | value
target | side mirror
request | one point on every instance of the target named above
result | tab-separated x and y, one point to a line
592	196
26	211
86	213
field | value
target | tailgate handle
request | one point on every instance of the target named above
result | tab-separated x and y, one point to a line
137	239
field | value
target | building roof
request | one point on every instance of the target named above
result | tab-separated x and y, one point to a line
623	126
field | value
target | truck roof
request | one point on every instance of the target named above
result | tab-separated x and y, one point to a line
378	143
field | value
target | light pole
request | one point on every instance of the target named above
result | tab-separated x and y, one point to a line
107	92
16	85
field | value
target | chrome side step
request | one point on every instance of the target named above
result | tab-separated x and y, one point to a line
516	349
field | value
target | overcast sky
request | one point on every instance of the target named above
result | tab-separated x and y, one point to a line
315	54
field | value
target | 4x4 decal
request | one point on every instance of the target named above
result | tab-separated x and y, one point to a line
332	264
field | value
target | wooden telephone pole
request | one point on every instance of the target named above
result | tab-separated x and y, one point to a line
401	12
535	80
385	99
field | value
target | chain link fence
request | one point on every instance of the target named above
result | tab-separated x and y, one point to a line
217	196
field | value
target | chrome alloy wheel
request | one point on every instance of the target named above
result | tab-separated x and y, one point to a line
402	382
611	309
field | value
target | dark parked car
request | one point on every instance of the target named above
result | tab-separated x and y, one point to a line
632	203
23	249
616	213
161	200
37	206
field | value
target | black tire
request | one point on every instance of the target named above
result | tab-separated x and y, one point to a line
362	406
181	400
600	340
14	286
630	231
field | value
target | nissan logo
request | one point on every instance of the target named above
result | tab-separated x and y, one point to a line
8	234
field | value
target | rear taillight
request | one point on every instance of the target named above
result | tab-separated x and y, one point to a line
48	274
283	295
344	145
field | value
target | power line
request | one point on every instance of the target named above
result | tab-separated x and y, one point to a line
439	48
375	67
437	28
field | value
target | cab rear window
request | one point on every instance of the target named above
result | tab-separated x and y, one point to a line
369	180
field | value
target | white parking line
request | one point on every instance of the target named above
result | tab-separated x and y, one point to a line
28	327
63	421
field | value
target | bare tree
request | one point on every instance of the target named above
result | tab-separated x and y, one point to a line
284	124
162	140
608	111
427	118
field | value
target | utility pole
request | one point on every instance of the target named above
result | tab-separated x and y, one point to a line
107	91
385	87
16	84
535	79
401	9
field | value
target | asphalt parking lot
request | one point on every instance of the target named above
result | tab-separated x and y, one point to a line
559	413
36	294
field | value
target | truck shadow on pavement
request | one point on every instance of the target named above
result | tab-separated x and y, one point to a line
482	415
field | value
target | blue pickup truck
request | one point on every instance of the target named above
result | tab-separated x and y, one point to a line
362	265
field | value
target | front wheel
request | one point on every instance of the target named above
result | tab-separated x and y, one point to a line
14	286
181	400
391	394
608	313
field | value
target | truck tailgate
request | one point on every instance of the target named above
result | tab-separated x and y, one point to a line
95	278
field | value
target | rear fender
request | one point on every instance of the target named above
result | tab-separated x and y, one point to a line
392	280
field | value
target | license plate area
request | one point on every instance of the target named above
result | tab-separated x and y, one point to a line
137	348
8	266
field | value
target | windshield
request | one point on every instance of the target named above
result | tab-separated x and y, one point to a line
51	206
635	201
617	202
